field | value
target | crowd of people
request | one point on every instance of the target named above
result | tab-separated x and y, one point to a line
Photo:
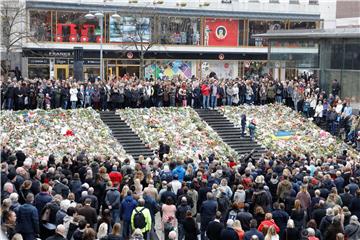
277	197
301	93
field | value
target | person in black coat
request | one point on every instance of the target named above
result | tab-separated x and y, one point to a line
355	204
208	211
28	219
190	227
163	149
214	228
280	217
229	233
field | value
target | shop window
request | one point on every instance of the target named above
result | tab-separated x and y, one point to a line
42	72
40	25
74	27
181	31
258	27
130	29
302	25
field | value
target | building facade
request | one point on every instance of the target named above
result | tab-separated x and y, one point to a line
331	54
178	38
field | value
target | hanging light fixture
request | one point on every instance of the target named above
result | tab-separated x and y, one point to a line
115	15
99	15
89	16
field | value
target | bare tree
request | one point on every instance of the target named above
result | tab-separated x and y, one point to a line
142	38
13	30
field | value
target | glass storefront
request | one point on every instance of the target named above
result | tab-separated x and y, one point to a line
130	29
74	27
258	27
179	31
67	26
40	25
302	25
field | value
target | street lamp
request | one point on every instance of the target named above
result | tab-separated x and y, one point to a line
100	15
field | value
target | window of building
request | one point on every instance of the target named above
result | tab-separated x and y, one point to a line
74	27
180	31
302	25
40	25
257	27
130	29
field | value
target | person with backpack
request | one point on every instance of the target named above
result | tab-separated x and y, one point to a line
141	218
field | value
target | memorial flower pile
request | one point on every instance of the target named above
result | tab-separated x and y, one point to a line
303	136
181	128
40	133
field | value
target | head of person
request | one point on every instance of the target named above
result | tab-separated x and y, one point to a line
89	234
116	229
141	202
9	217
268	216
60	229
253	223
290	223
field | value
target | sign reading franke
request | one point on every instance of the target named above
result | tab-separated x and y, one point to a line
221	32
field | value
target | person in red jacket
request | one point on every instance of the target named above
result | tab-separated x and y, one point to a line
115	176
205	92
268	222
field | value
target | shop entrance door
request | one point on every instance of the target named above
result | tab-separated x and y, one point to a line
61	71
128	69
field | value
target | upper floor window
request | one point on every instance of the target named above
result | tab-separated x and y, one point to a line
40	25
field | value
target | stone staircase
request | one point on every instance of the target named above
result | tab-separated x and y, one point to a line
230	134
125	135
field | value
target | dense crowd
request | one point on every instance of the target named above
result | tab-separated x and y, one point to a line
277	197
301	93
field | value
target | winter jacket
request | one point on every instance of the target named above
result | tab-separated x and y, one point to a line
27	219
126	208
180	172
352	231
41	199
229	234
112	198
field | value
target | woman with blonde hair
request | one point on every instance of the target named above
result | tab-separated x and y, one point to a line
115	233
238	229
271	234
298	215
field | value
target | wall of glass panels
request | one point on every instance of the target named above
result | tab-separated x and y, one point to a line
40	26
70	26
179	30
257	27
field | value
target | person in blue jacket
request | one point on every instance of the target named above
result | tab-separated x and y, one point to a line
126	208
179	171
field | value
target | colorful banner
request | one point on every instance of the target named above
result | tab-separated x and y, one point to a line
223	69
130	29
169	69
221	32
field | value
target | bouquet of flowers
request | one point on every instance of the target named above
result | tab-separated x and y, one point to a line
40	133
181	128
306	136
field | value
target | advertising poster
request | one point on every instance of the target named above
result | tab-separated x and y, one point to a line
129	29
221	32
223	69
169	69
